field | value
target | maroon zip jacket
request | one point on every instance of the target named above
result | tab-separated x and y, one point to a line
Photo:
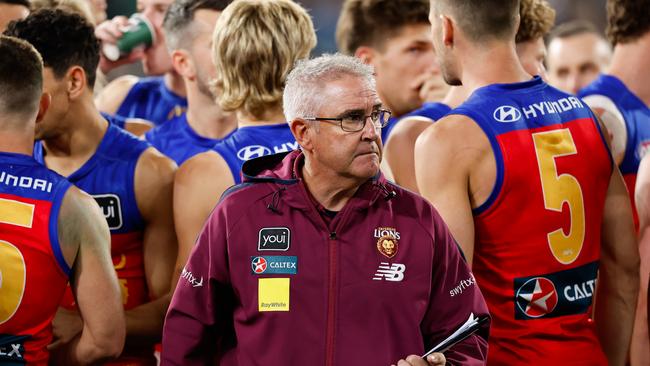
269	283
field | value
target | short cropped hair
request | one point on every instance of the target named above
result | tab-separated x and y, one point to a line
572	28
256	43
371	22
63	39
536	20
483	20
80	7
179	17
625	20
302	94
21	77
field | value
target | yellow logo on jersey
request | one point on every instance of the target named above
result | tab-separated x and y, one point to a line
273	294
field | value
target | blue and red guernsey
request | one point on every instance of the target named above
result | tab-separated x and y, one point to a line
108	176
253	142
33	272
150	99
178	140
636	116
537	242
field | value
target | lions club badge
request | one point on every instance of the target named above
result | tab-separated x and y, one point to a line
387	241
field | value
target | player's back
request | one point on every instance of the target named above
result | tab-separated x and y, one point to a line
538	234
251	142
150	99
33	272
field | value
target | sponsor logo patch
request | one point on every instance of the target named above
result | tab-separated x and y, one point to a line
273	294
555	294
643	149
506	114
274	238
390	272
110	204
387	241
191	278
12	350
252	152
274	265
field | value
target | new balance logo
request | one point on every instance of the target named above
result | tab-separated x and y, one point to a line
390	272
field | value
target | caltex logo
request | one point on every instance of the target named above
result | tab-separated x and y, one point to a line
537	297
252	152
259	265
507	113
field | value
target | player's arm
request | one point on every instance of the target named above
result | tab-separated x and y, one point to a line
111	97
444	157
198	186
154	178
639	352
612	118
618	281
399	150
85	242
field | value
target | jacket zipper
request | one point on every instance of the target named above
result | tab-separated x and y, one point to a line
331	300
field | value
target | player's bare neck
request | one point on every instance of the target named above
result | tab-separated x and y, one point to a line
272	116
630	63
498	64
69	149
175	83
207	118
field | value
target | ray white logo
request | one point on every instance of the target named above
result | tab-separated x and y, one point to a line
193	280
507	113
390	272
274	238
110	204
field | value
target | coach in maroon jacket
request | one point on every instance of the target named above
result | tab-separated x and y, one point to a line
316	259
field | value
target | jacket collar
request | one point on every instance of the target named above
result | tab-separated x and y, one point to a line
280	170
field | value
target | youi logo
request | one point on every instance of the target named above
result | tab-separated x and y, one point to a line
274	238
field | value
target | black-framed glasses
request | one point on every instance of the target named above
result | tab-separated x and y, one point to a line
355	123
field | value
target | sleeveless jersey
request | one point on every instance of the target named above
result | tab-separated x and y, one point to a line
431	110
118	121
33	272
636	116
252	142
537	242
108	176
177	140
150	99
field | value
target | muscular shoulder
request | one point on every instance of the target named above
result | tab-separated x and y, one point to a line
408	130
155	168
80	218
457	134
207	165
112	96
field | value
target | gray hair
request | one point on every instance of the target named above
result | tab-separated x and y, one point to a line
305	82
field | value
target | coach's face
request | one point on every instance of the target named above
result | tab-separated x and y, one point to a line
355	155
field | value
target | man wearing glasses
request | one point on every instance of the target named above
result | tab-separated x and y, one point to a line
316	257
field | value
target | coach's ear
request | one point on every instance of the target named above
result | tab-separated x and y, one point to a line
43	105
303	132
